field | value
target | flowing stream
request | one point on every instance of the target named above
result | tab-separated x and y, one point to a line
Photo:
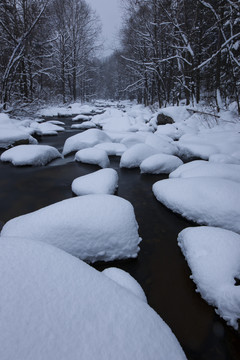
160	267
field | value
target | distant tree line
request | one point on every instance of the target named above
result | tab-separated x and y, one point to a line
47	49
170	50
180	49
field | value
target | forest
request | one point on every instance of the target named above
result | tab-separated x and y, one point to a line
169	51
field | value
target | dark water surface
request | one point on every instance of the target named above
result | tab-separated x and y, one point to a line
160	267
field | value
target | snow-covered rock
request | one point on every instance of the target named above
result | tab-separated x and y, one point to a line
176	113
46	128
55	306
224	159
161	145
133	139
209	142
92	227
213	256
55	122
135	155
13	131
185	167
170	130
160	164
11	136
124	279
93	156
104	181
86	139
84	126
209	169
81	117
192	150
30	155
116	149
206	200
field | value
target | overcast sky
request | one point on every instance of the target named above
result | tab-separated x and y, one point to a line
109	12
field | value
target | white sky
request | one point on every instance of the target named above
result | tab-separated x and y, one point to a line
109	12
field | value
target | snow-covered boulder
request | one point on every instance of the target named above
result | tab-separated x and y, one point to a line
93	156
213	256
209	142
135	155
13	132
84	126
162	145
54	306
175	113
170	130
206	200
224	159
191	150
82	118
104	181
133	139
185	167
160	164
209	169
13	136
86	139
116	149
35	155
124	279
46	128
92	227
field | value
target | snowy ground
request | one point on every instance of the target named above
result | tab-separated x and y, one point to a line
205	190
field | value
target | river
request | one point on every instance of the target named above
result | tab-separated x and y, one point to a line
160	267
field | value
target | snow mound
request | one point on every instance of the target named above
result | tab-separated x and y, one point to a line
73	109
160	164
209	169
124	279
224	159
192	150
161	145
133	139
209	142
185	167
135	155
81	117
213	256
11	136
177	113
205	200
169	130
14	131
30	155
116	149
93	156
58	307
92	227
46	128
85	125
104	181
86	139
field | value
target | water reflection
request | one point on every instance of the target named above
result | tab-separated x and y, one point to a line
160	268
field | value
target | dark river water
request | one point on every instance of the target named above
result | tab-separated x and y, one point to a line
160	267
